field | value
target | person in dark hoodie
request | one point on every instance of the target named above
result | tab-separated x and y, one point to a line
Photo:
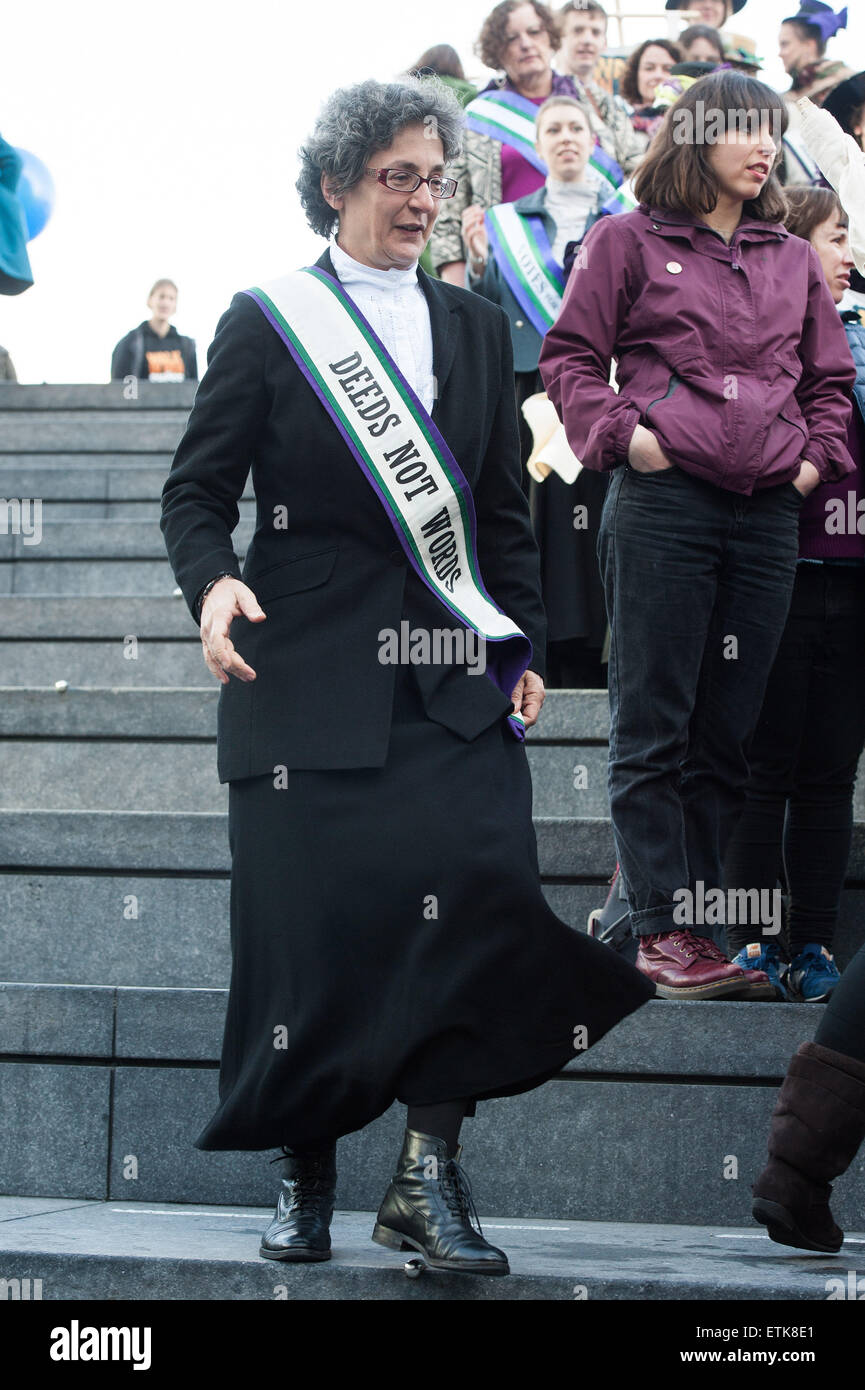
155	351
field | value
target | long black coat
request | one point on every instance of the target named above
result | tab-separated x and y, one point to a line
336	576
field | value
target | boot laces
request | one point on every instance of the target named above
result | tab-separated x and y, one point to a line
458	1195
309	1186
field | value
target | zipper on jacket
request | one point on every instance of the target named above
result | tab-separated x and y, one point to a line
674	381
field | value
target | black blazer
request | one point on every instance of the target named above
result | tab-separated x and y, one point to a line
333	576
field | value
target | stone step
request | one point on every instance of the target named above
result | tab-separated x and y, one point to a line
136	511
129	714
73	765
172	712
172	930
145	1251
84	477
116	540
89	663
89	578
150	396
97	431
193	842
110	775
166	931
29	619
672	1108
62	771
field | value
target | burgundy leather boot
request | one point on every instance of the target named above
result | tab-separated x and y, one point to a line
686	966
817	1126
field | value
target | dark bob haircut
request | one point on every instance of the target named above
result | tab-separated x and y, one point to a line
676	174
630	87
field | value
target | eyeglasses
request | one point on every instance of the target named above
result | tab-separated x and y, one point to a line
404	181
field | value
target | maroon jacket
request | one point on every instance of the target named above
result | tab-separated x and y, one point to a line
733	356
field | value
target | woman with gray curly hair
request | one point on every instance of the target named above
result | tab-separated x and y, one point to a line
390	940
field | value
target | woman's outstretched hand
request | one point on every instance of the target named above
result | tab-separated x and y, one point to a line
229	598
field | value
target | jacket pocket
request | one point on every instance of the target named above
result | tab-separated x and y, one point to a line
293	576
673	383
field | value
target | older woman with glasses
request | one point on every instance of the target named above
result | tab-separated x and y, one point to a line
390	939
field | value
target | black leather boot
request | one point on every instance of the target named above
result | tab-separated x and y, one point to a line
300	1229
428	1207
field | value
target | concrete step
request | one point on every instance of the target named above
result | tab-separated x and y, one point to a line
87	397
147	1251
114	540
89	578
568	849
110	775
170	930
73	477
149	714
159	931
665	1120
98	431
62	772
86	664
139	511
29	619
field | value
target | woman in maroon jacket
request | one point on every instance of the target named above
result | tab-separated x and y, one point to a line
733	374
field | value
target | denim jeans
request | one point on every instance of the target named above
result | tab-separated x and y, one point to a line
697	582
803	757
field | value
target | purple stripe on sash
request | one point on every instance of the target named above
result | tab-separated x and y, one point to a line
510	659
513	281
505	137
539	232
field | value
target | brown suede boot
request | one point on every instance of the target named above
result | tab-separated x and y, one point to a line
817	1126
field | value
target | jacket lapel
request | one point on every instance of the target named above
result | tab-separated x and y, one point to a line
442	323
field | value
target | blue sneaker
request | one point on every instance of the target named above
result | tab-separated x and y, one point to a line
813	975
765	957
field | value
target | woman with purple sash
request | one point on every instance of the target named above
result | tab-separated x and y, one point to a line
390	940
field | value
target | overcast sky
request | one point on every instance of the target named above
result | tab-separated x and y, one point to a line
171	134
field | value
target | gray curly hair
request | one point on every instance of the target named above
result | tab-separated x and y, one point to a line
355	121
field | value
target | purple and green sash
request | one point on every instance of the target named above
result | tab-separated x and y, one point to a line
623	200
509	118
506	116
524	256
401	453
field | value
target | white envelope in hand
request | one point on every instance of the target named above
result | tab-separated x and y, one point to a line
551	452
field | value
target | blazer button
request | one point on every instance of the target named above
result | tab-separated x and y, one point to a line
397	557
518	323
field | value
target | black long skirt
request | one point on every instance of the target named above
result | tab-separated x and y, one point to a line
571	583
390	941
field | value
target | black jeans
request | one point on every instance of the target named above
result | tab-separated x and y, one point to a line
804	755
698	583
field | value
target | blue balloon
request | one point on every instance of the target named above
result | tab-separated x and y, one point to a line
35	192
